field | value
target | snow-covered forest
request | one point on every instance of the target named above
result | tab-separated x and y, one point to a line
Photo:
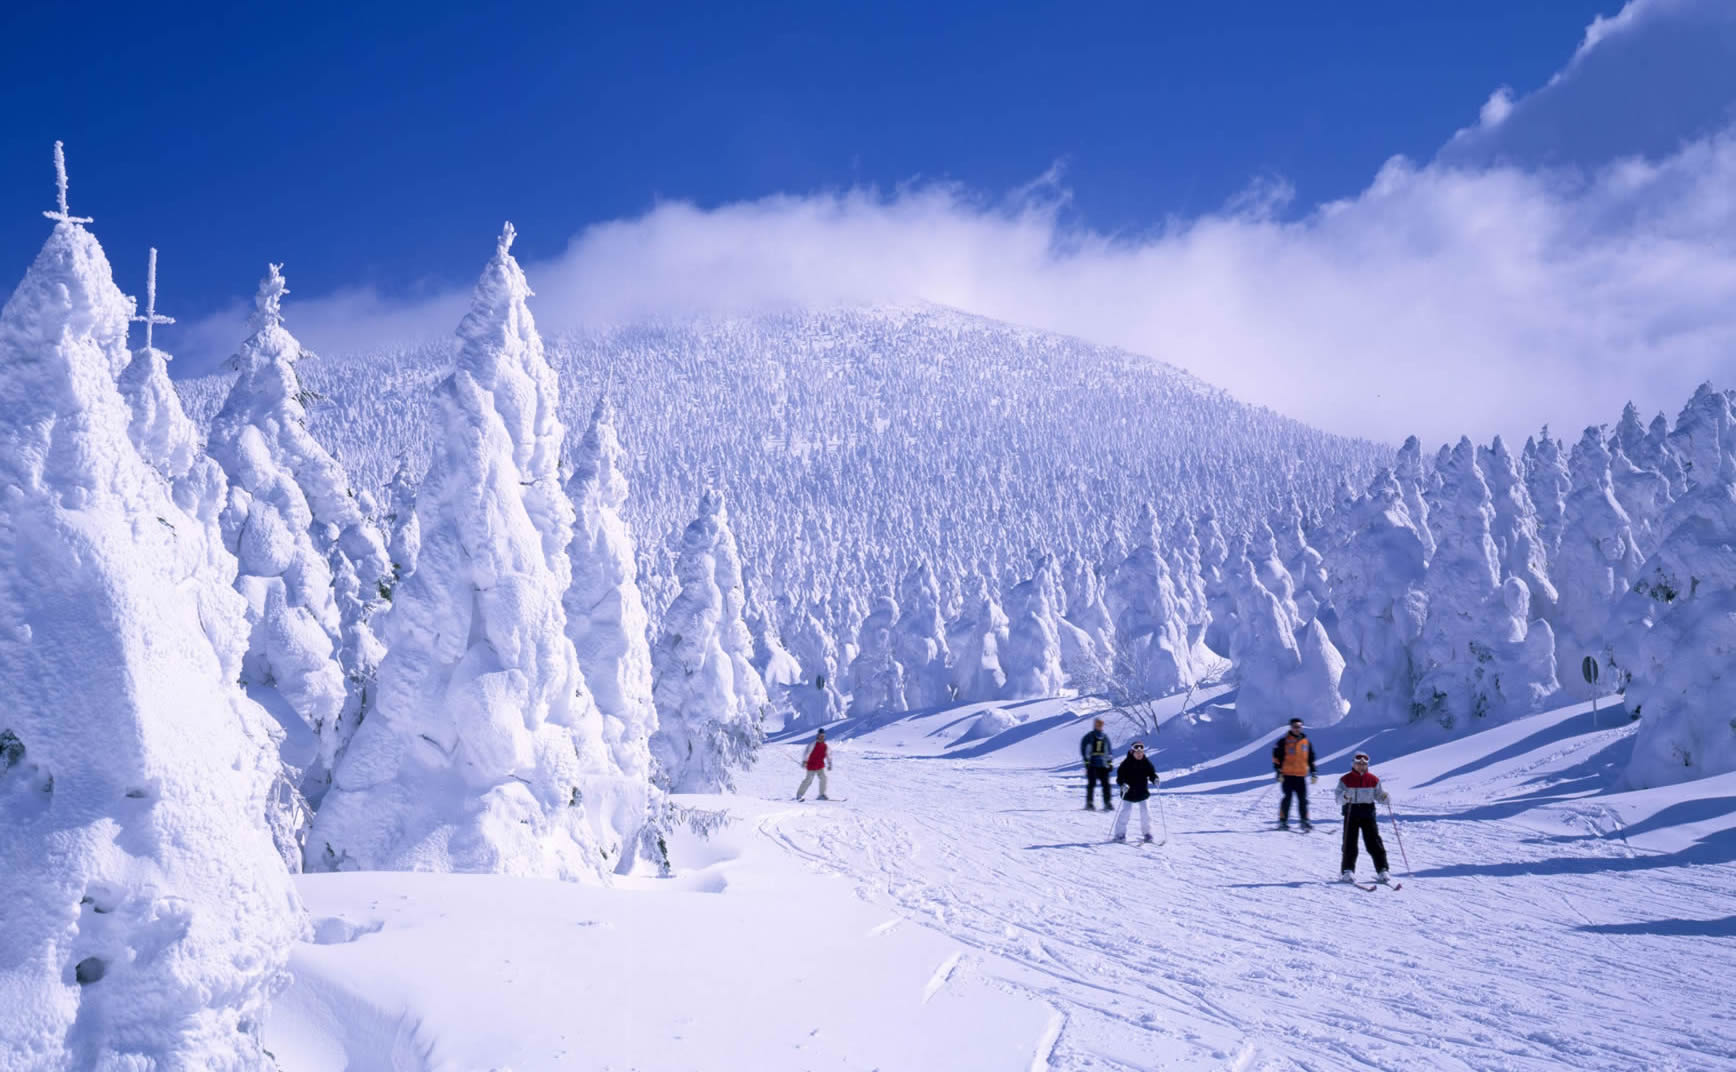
489	607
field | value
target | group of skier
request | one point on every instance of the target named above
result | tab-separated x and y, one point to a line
1293	765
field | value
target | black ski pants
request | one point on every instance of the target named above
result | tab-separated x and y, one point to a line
1359	818
1093	776
1294	785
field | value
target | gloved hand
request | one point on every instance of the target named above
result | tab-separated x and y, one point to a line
1313	778
1278	775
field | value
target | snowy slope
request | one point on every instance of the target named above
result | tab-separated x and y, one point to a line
1545	922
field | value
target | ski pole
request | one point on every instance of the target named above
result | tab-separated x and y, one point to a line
1261	799
1162	818
1408	873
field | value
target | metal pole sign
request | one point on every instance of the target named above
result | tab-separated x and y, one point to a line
1588	667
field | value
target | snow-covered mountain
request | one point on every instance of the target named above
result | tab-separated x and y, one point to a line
851	443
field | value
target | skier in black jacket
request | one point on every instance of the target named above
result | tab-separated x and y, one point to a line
1099	756
1136	776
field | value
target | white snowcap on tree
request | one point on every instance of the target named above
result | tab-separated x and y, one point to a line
161	947
485	746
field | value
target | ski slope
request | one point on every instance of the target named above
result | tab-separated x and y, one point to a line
959	911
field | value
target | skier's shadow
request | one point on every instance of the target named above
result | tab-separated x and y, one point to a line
1066	845
1271	885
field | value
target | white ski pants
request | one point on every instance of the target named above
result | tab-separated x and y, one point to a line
802	791
1126	813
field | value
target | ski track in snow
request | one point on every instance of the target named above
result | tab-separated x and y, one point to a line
1228	948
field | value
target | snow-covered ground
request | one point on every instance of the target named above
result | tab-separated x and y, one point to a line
956	909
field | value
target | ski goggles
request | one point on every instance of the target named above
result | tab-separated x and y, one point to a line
1360	757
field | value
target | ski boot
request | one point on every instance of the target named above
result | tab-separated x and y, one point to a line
1307	826
1347	876
1146	838
1383	878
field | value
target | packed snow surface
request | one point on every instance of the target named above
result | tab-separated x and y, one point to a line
954	908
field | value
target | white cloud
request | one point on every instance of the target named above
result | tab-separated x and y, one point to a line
1498	107
1464	296
1645	81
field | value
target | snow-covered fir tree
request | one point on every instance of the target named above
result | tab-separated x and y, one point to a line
1678	624
919	641
1518	544
148	917
1644	496
1082	589
876	676
816	700
778	670
606	617
290	511
732	628
1596	562
1262	551
705	730
1548	482
1697	440
1525	674
1408	471
485	748
1472	656
1031	657
977	637
1377	588
1220	604
1280	673
1153	657
403	531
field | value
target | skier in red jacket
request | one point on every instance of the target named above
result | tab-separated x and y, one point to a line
818	762
1357	793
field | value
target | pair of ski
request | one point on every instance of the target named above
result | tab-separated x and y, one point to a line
1370	887
1142	841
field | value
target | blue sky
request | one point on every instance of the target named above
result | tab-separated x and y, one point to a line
385	146
1381	218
